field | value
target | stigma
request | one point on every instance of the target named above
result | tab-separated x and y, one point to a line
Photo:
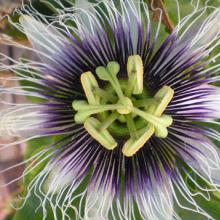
122	108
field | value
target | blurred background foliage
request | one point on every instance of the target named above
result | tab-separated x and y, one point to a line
31	209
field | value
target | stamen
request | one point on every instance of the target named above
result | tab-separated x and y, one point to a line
85	110
90	84
109	74
105	95
132	145
131	125
164	96
135	75
92	126
122	105
160	124
109	121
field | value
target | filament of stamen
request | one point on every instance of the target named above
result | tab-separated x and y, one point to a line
105	95
92	125
85	111
131	125
109	121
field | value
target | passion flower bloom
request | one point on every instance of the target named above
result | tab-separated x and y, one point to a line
132	113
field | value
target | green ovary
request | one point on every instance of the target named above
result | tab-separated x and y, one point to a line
123	108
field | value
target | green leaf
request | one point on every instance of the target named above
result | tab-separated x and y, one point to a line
212	207
33	147
28	212
32	210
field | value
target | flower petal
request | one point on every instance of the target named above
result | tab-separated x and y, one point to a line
86	14
132	16
44	38
21	121
156	203
98	203
203	30
58	179
204	156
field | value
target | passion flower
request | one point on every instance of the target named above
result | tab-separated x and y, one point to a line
132	114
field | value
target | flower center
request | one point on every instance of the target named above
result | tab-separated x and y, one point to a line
123	107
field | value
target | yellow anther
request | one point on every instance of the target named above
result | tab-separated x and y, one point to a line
92	126
135	74
132	145
89	85
164	96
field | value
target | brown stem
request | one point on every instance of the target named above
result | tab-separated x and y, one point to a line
159	4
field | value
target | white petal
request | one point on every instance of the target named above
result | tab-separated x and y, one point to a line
58	179
131	14
85	13
64	172
98	203
202	30
83	4
157	204
206	154
20	121
44	38
197	32
210	30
